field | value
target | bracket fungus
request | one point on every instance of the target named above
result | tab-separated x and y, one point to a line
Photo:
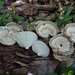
8	40
40	48
61	57
14	27
3	32
46	28
69	31
61	45
26	38
5	37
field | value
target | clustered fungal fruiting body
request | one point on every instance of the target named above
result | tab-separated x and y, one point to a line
6	38
26	38
40	48
69	31
61	44
46	28
61	57
7	33
14	27
62	47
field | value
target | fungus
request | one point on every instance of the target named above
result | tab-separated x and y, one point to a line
69	31
40	48
61	45
8	40
61	57
46	28
5	37
26	38
14	27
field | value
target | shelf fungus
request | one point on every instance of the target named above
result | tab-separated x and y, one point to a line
3	32
40	48
26	38
8	40
5	37
46	28
61	45
61	57
69	31
14	27
39	22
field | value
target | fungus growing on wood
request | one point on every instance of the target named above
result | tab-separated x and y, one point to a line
61	57
69	31
46	28
26	38
8	40
3	32
5	37
61	45
12	26
40	48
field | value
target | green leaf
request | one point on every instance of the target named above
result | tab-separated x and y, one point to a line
43	18
1	4
57	14
54	74
58	69
67	7
67	18
7	21
66	73
30	25
20	18
72	67
68	12
70	72
63	70
11	13
7	11
3	17
59	22
52	19
0	21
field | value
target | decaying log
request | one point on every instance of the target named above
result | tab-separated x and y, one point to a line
31	9
37	6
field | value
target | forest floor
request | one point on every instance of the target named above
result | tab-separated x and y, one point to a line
17	60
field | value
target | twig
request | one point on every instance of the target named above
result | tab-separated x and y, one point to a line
45	7
37	6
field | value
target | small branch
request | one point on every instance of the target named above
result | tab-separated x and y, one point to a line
45	7
40	7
